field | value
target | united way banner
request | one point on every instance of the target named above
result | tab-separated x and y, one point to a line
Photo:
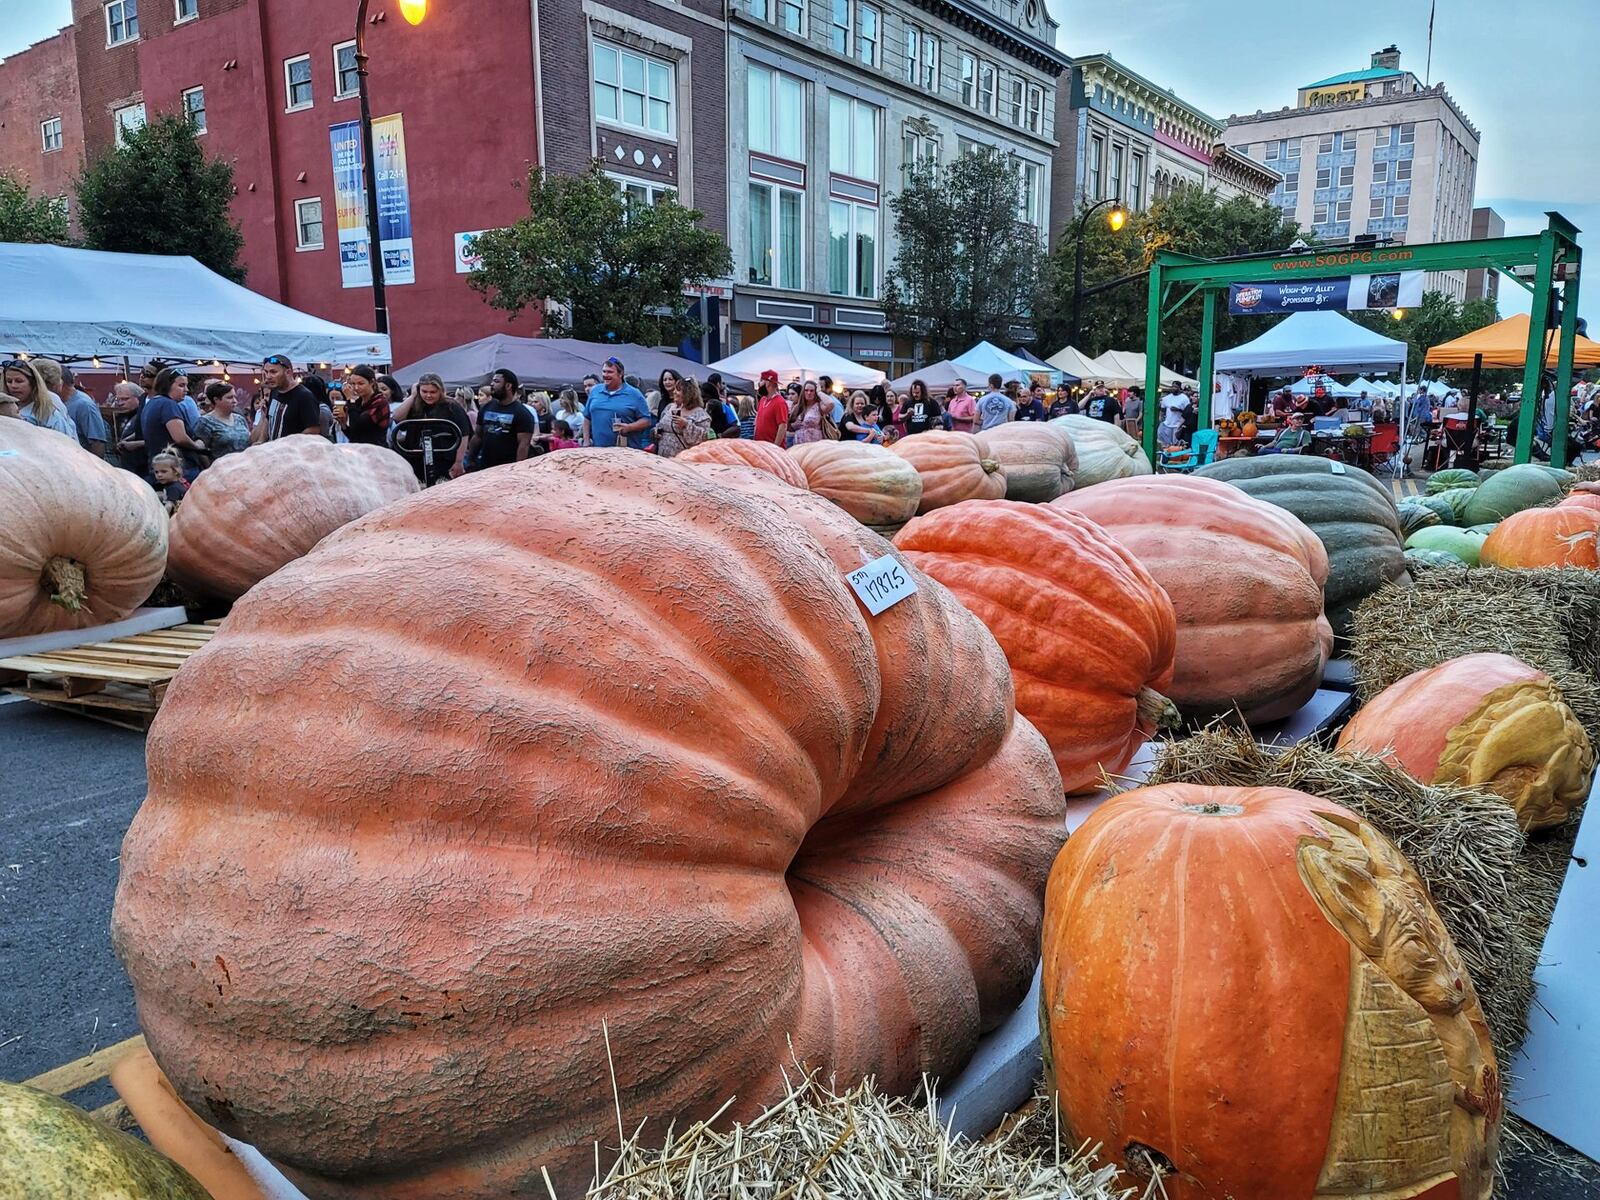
394	202
1398	289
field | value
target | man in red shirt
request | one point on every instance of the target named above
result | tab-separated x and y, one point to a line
772	411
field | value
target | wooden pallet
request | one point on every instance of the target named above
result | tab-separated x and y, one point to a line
92	1068
122	681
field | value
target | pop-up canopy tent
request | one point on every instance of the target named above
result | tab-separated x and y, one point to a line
986	359
1505	344
70	303
1328	340
1079	366
1372	387
1039	364
1330	387
1125	369
550	362
795	356
939	377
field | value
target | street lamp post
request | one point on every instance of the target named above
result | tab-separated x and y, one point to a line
413	11
1117	218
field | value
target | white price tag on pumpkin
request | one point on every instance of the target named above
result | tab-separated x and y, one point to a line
882	583
1336	467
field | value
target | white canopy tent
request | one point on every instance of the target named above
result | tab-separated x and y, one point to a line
1328	340
1330	386
1372	387
72	303
794	356
1126	368
938	377
986	359
1074	363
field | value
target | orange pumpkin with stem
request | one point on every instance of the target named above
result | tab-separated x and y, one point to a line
1248	992
871	484
953	468
743	452
1090	636
605	798
1563	536
1245	578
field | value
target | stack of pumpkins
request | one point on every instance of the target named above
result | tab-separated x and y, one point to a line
1510	518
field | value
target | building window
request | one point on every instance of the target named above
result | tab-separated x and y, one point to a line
1375	211
852	137
1136	183
297	81
1324	177
1341	211
988	82
633	90
1347	175
1019	101
1380	172
641	192
932	52
308	224
194	108
346	82
839	26
852	249
1325	146
1035	109
1030	177
50	134
1115	179
913	52
868	25
127	119
1319	214
1402	206
1272	151
1294	147
187	10
918	150
789	14
1402	170
777	224
969	80
1291	183
1408	134
1384	136
122	21
776	113
1097	152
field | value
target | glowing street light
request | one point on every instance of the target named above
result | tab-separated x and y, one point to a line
1117	218
414	10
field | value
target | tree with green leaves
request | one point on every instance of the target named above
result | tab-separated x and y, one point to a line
967	268
25	217
158	193
618	268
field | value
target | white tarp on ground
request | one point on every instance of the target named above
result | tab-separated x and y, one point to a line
1328	340
1125	369
69	303
794	356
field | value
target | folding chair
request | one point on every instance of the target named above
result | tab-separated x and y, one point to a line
1202	449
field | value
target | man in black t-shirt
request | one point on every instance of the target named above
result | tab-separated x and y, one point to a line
505	426
291	407
1031	406
1103	406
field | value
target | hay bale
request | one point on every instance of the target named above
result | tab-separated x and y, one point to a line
1585	472
859	1145
1495	899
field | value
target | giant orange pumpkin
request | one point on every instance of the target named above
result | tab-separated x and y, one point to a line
1582	499
1563	536
1090	636
1482	720
252	512
953	468
617	780
1247	991
872	485
743	452
81	542
1245	578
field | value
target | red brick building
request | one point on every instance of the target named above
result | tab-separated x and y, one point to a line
41	116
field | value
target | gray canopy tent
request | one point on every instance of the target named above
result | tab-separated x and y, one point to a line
550	363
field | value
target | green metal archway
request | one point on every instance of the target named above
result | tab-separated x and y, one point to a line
1553	254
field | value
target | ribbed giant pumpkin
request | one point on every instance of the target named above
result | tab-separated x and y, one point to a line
1563	536
1245	578
1352	514
1585	500
1038	460
872	485
953	469
743	452
1104	451
250	513
81	543
1090	636
628	780
1482	720
1248	991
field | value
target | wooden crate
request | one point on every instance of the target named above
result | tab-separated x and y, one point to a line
90	1069
121	681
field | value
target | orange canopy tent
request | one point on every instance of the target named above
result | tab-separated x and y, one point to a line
1505	344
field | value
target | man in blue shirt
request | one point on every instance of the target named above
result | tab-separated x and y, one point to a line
616	411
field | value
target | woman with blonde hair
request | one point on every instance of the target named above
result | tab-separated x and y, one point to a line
684	420
36	403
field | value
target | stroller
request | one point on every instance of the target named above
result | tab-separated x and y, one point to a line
428	443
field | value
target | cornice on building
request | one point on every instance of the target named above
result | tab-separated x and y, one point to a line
1018	43
1227	160
1154	94
1436	92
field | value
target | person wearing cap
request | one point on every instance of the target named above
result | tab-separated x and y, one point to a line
772	411
1103	406
291	407
616	412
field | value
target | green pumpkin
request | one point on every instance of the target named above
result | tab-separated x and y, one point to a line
1462	543
1351	512
51	1149
1432	560
1485	529
1511	491
1414	516
1440	507
1451	477
1458	499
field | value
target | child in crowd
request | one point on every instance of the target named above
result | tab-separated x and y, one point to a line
561	437
747	417
167	470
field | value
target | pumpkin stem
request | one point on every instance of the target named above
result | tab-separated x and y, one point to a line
989	465
1156	711
63	578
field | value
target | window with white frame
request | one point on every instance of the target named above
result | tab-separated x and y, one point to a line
1347	175
127	119
308	224
775	113
1319	214
852	137
1402	206
1402	170
969	80
1294	147
1375	210
1272	151
1019	101
187	10
297	82
913	49
918	150
1325	146
1380	172
869	34
1324	177
932	52
839	26
642	192
852	249
346	82
1035	109
792	15
50	138
194	108
1384	136
1029	192
1097	153
988	84
777	235
1408	133
1341	211
633	90
1291	182
775	117
1136	183
122	21
1114	177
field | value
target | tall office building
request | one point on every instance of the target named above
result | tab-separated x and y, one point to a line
1486	223
1373	151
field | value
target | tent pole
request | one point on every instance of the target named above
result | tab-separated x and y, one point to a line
1533	365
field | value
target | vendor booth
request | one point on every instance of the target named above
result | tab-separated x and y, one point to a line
794	356
1074	363
986	359
1126	369
551	363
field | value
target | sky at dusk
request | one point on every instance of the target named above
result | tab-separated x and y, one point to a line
1521	72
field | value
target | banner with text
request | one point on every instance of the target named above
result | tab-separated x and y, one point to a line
1398	289
394	202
